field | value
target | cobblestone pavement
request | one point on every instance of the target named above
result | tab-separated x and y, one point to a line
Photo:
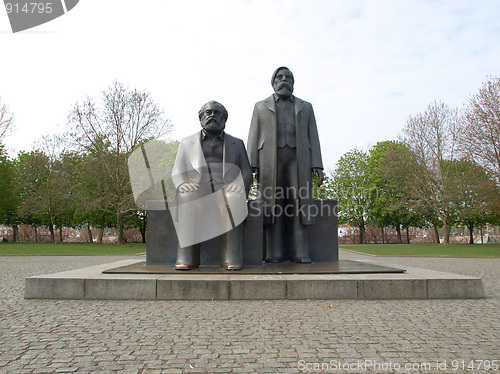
45	336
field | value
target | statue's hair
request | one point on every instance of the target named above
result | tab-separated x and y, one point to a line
276	73
224	111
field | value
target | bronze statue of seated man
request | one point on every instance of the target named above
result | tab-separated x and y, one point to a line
212	176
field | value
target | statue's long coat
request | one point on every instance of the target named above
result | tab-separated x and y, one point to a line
262	153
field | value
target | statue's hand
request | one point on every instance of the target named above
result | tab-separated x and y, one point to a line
233	187
318	172
188	187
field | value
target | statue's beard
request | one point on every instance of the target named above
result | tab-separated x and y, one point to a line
284	89
213	125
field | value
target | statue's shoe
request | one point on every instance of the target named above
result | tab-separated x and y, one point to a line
184	266
274	260
230	266
302	260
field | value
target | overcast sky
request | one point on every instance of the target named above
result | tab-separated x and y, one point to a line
364	65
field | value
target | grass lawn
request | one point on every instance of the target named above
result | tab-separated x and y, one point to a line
427	250
70	249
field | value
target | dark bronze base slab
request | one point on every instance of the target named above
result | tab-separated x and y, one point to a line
333	267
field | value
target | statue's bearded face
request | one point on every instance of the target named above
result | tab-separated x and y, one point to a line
283	83
212	119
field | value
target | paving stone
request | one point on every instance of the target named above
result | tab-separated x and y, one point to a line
239	336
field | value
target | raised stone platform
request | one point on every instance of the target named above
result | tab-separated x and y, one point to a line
330	267
92	284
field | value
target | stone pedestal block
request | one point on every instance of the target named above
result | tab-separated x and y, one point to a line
162	239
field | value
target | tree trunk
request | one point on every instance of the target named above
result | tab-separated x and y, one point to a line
15	233
447	229
101	229
36	233
89	232
61	234
408	235
119	227
398	230
383	233
471	233
362	233
436	233
481	232
52	236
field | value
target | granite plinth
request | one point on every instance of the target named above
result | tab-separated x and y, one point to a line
93	283
331	267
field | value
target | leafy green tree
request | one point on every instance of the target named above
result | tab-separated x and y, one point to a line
351	184
138	219
476	194
392	169
389	204
91	195
44	190
9	201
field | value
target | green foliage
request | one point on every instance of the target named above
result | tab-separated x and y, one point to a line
9	201
352	186
253	193
44	186
138	219
391	167
475	204
325	191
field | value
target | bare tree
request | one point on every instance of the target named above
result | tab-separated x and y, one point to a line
433	138
481	127
110	132
6	119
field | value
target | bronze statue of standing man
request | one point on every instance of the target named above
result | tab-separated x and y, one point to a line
284	153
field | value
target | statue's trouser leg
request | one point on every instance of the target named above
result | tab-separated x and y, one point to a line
232	247
298	233
189	255
287	237
274	234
